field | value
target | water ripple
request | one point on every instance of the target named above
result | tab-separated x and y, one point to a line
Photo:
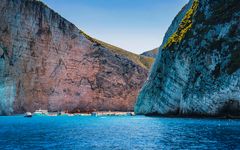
118	133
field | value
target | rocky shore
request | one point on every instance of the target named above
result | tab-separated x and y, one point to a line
98	113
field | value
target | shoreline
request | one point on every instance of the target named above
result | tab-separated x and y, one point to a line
97	113
118	113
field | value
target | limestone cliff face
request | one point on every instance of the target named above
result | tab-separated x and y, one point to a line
47	63
197	68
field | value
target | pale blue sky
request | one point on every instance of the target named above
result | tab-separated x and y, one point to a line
134	25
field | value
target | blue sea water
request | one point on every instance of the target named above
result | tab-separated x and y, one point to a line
121	133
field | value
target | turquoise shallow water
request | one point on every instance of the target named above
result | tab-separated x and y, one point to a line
138	132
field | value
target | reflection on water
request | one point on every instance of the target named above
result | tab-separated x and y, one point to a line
118	133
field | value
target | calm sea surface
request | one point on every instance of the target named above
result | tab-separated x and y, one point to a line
121	133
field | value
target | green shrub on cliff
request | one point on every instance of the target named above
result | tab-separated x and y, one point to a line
5	50
184	26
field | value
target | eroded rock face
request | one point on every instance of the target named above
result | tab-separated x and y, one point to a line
197	68
47	63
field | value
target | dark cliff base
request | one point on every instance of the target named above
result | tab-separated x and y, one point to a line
230	110
195	116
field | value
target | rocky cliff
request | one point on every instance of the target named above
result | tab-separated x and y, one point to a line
152	53
48	63
197	68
